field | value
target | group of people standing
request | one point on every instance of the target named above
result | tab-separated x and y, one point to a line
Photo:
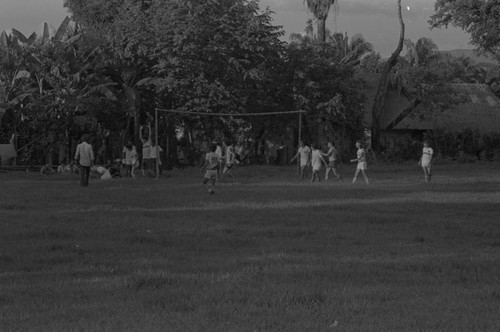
84	157
150	156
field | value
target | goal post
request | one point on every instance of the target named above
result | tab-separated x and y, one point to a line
236	115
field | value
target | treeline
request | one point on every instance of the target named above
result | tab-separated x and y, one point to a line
107	69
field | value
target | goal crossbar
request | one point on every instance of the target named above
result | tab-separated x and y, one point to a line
230	114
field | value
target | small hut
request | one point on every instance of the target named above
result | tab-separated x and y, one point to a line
403	118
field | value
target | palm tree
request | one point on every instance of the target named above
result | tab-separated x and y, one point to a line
320	9
421	53
350	52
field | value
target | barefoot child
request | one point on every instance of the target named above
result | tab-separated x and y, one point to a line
425	160
210	167
333	157
304	152
316	160
361	160
230	161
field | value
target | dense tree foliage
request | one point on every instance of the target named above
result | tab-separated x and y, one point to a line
206	56
106	72
51	89
323	77
480	19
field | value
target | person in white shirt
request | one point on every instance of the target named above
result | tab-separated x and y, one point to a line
84	156
220	152
361	160
426	160
130	159
230	161
316	161
155	155
304	152
147	162
62	168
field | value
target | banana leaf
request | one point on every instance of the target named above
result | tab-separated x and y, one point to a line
63	28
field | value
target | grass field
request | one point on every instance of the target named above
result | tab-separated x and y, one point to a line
268	254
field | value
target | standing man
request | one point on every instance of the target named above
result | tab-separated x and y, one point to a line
84	157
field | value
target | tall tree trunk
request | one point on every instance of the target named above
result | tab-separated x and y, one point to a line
378	104
322	29
133	109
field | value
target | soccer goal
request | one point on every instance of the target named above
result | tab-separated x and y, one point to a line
234	115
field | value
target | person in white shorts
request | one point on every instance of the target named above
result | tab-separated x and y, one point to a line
333	157
361	160
316	161
147	161
155	152
210	168
304	152
426	160
130	160
230	161
220	152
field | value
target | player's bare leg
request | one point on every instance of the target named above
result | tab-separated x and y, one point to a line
365	176
355	178
334	170
427	173
209	188
315	174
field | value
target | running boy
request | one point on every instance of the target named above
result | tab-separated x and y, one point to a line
210	167
425	160
316	160
305	157
361	160
333	157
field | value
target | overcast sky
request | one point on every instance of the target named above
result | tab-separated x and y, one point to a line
376	20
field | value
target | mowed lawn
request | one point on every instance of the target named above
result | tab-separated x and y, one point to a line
269	253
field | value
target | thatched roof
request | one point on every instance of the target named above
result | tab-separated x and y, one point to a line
480	110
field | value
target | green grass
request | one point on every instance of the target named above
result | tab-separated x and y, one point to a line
268	254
